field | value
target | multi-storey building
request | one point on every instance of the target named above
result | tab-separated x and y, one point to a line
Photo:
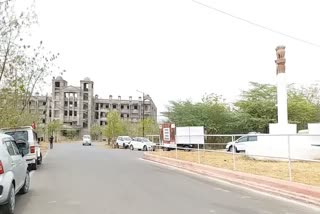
79	108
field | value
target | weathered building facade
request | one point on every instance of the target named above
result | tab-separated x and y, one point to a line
77	107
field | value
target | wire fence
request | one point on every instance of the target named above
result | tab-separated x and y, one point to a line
293	157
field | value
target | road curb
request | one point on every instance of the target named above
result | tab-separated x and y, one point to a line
291	190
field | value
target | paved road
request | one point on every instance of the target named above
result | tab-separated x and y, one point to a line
81	180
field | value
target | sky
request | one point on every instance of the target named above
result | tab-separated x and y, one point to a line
179	49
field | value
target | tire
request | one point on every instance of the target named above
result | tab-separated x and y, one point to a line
124	146
33	166
131	147
231	148
39	160
9	207
144	148
26	185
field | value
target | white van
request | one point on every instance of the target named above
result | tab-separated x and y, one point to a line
25	136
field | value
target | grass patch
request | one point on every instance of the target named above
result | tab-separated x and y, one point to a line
302	171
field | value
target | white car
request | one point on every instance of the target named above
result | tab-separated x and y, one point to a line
27	135
123	141
14	174
86	140
142	143
241	144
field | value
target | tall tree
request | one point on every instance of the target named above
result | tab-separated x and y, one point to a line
114	127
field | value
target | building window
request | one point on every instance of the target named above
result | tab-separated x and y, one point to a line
71	94
107	105
57	95
71	104
85	96
44	103
101	123
75	104
121	115
85	125
114	106
43	120
56	113
65	113
75	95
57	84
135	107
85	106
96	114
75	113
127	106
49	113
85	115
122	106
65	103
66	95
101	105
70	113
97	106
85	87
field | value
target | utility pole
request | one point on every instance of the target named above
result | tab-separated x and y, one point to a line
143	99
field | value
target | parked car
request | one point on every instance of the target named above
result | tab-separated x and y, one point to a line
123	141
142	143
86	140
14	174
28	136
240	144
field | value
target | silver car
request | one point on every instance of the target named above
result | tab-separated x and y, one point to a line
14	175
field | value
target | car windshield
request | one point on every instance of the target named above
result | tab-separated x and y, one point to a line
19	135
127	138
87	137
145	140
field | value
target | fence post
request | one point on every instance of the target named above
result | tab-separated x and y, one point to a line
177	151
233	151
198	153
289	160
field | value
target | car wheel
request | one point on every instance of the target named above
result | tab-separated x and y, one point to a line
39	161
34	166
124	146
233	149
26	185
9	207
145	148
131	147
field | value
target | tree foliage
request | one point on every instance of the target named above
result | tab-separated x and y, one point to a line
95	131
255	109
114	127
24	67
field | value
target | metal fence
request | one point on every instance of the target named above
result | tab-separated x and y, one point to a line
288	165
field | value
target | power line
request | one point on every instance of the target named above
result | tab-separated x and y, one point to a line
257	25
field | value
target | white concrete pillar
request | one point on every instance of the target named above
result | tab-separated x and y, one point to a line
282	99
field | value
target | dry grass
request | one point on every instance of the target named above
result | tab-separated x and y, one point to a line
303	172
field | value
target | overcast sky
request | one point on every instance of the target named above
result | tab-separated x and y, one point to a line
178	49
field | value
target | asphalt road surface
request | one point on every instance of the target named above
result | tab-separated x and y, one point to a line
79	180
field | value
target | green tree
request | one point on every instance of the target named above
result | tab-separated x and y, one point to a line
114	127
212	113
257	107
95	131
150	127
54	128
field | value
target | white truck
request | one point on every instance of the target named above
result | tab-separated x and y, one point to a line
181	137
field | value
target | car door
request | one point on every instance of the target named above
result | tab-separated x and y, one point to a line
16	163
241	143
251	139
139	143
